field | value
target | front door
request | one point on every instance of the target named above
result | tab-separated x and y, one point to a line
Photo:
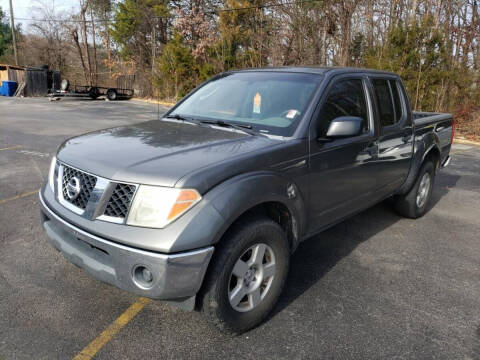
342	176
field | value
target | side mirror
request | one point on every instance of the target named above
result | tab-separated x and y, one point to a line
345	126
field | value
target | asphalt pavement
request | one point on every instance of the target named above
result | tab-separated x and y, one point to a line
376	286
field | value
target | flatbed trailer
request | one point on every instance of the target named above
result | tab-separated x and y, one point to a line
93	92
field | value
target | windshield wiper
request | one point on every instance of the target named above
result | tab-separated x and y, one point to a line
181	118
242	127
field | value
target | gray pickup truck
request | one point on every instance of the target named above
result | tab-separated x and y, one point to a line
204	207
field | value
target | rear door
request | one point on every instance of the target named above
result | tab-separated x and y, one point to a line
395	141
341	179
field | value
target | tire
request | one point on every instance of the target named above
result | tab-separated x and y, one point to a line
408	205
111	95
93	93
246	238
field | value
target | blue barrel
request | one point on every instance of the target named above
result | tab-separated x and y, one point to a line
8	88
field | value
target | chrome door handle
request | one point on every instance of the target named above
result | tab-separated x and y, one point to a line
371	149
406	138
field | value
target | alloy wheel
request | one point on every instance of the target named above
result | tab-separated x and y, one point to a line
423	190
251	277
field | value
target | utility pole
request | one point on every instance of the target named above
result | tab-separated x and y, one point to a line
12	25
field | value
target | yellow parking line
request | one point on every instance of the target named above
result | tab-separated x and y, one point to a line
3	201
11	147
91	349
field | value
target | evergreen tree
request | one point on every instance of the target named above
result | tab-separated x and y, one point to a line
5	35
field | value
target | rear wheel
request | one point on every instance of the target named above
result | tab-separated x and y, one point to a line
246	276
414	204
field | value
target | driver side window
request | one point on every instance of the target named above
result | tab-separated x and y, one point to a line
345	98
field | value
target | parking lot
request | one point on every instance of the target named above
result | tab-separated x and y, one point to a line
375	286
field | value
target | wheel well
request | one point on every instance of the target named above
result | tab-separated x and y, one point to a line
274	210
434	156
279	213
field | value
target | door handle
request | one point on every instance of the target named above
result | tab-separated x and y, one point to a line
406	138
372	149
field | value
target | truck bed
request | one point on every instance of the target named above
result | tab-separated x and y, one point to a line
438	125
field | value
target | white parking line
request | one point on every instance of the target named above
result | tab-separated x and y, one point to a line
34	153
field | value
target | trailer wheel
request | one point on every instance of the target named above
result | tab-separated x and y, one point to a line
93	93
111	94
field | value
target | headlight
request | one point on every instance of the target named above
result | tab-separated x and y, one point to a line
156	207
51	173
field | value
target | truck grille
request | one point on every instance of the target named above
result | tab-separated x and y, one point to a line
87	183
120	200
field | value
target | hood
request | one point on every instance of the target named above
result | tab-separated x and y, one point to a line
156	152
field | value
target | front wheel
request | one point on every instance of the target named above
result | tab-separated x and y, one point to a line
111	94
414	204
247	275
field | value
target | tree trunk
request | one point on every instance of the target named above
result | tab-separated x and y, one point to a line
107	42
468	37
95	69
83	11
438	13
154	42
476	25
324	49
459	38
414	10
74	33
369	15
347	9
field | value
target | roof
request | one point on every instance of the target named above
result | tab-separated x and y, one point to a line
15	67
315	70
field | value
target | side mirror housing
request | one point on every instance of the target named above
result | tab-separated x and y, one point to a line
345	126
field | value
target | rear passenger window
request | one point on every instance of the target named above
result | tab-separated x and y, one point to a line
388	101
396	100
346	98
384	102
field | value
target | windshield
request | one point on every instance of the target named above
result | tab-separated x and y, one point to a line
269	102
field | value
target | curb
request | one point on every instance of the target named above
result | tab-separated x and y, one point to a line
153	101
465	141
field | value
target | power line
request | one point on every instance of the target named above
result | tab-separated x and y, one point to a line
210	12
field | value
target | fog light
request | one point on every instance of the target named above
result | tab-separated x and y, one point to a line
147	275
142	277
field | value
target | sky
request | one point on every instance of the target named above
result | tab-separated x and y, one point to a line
28	8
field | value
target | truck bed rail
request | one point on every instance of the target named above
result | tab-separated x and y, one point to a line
426	118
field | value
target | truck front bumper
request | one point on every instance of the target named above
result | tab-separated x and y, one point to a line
176	277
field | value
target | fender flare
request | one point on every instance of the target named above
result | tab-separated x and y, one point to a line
236	196
422	148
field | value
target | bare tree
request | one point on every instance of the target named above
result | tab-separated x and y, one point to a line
345	10
74	33
83	25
